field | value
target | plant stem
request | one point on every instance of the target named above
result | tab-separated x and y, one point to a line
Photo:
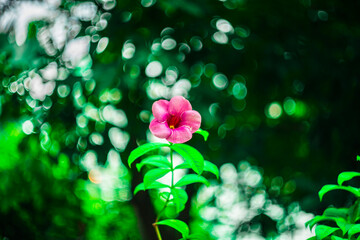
168	197
157	231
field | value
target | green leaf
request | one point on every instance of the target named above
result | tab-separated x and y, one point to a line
323	231
354	229
183	165
154	174
346	176
191	178
154	185
331	187
141	150
177	225
139	188
357	158
190	155
180	198
336	212
203	133
210	167
354	211
312	238
337	238
157	161
317	219
343	225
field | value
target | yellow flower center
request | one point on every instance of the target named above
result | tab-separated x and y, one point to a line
172	127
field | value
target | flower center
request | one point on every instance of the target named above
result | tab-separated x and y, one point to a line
173	122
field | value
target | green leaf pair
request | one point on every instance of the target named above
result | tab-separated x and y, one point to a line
177	225
208	167
154	185
181	227
176	197
143	149
191	156
343	177
345	218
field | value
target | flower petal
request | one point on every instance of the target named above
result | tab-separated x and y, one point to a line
178	105
160	129
160	110
191	119
180	135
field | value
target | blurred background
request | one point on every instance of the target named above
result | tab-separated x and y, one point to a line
276	83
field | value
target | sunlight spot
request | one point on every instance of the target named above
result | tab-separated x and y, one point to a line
224	26
28	127
114	116
102	44
153	69
275	212
220	37
184	48
128	50
50	72
220	81
81	120
63	91
289	106
242	32
85	11
118	138
148	3
239	91
237	43
96	139
156	90
95	176
89	160
274	110
171	74
168	44
252	178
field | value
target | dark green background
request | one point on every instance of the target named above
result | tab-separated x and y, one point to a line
304	50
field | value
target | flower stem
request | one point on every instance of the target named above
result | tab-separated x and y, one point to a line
168	197
157	231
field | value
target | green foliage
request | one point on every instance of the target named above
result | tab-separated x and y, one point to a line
191	178
327	188
153	185
156	161
258	81
210	167
322	231
154	174
176	224
143	149
191	156
344	219
346	176
175	198
203	133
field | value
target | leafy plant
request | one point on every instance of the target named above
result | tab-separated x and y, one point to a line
175	197
338	223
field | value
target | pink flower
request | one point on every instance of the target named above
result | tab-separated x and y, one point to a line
174	120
